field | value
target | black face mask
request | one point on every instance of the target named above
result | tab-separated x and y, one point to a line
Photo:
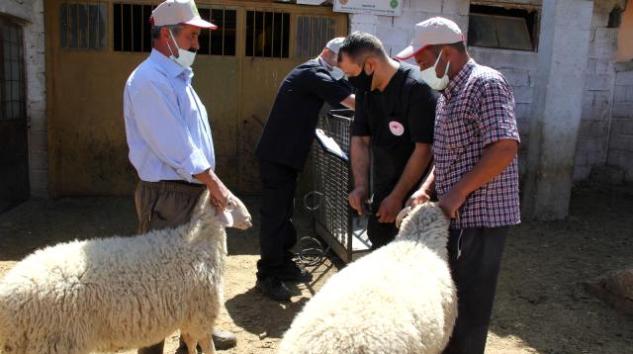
362	81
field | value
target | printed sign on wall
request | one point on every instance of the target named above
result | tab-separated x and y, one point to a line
373	7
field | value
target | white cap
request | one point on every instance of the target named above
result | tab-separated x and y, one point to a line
173	12
436	30
335	44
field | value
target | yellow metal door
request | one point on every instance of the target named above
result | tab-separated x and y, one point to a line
218	87
88	153
304	32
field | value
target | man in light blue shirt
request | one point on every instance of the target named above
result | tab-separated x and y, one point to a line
168	132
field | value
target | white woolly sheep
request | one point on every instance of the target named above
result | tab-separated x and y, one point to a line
400	299
120	292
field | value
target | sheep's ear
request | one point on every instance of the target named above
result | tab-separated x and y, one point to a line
402	215
224	218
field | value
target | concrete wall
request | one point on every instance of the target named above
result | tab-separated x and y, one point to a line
396	32
605	134
557	108
31	14
620	153
593	136
620	146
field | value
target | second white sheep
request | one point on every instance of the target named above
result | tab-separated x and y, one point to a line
400	299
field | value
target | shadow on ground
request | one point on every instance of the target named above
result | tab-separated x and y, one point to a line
40	223
250	311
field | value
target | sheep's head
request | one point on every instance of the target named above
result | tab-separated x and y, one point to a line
234	215
428	224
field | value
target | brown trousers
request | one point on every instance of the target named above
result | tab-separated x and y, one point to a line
160	205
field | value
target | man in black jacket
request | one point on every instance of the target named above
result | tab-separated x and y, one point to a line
282	151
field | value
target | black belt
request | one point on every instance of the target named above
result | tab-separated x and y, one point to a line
184	183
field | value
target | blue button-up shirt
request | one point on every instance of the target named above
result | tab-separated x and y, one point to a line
166	124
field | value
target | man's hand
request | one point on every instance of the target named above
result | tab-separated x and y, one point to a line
389	209
451	202
218	195
357	198
496	157
420	196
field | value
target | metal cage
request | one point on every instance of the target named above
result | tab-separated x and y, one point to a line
335	222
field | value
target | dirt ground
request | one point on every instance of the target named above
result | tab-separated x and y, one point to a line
541	306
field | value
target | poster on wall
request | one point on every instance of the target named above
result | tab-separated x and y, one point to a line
310	2
371	7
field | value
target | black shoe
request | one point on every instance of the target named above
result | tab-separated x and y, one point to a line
273	288
222	340
293	272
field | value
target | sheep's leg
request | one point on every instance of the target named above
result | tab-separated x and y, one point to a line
191	342
207	344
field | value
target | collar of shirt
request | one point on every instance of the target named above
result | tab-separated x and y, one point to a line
394	82
459	80
327	66
169	67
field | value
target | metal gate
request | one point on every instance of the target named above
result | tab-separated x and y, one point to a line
94	45
14	174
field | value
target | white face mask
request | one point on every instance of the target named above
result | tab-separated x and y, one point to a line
430	76
185	58
336	73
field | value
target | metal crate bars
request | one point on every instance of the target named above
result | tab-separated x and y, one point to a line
335	222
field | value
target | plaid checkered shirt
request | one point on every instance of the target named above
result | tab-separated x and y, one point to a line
475	110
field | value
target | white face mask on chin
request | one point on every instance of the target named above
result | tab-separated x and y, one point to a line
429	76
336	73
185	58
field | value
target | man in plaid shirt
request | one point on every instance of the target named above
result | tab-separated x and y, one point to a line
475	172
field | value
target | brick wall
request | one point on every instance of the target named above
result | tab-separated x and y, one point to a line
593	134
519	69
620	152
